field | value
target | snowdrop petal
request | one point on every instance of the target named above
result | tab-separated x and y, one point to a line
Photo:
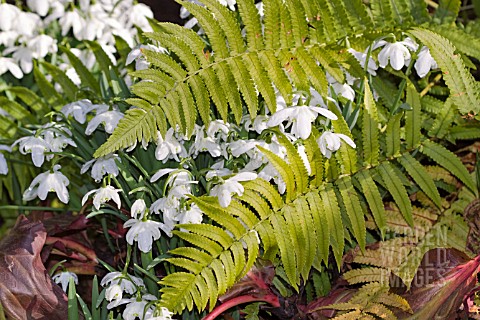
347	139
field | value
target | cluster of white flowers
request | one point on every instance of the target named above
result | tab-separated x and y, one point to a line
138	304
25	36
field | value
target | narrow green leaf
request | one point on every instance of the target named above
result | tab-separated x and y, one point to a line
72	301
392	137
69	88
87	78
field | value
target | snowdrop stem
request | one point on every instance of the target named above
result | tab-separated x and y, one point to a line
127	261
65	154
396	103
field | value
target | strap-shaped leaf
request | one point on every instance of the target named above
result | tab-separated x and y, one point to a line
16	110
374	199
87	78
421	177
397	190
449	161
69	88
354	210
463	88
370	137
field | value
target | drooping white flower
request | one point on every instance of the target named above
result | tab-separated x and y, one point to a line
102	166
63	278
8	16
301	118
218	126
194	215
330	142
72	20
37	146
138	15
142	230
28	23
269	172
109	119
136	307
341	89
103	195
425	62
3	161
397	53
39	6
48	182
127	282
169	148
231	186
78	109
8	64
161	313
23	57
41	45
205	143
113	294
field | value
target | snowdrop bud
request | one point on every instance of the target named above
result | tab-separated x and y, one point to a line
63	278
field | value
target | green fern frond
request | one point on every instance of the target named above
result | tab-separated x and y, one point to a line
464	89
370	274
370	132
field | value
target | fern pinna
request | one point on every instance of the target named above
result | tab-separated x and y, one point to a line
291	49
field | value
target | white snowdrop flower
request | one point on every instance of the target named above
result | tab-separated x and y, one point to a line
218	170
301	118
138	15
28	23
362	58
169	148
158	314
57	11
113	294
160	173
8	16
23	57
8	38
37	146
330	142
103	195
72	20
397	53
48	182
259	123
127	282
170	207
136	309
194	215
144	232
204	143
78	109
231	186
218	126
259	6
102	166
269	172
41	45
63	278
39	6
425	62
8	64
109	119
3	161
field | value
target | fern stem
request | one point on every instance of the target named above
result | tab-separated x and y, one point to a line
269	298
